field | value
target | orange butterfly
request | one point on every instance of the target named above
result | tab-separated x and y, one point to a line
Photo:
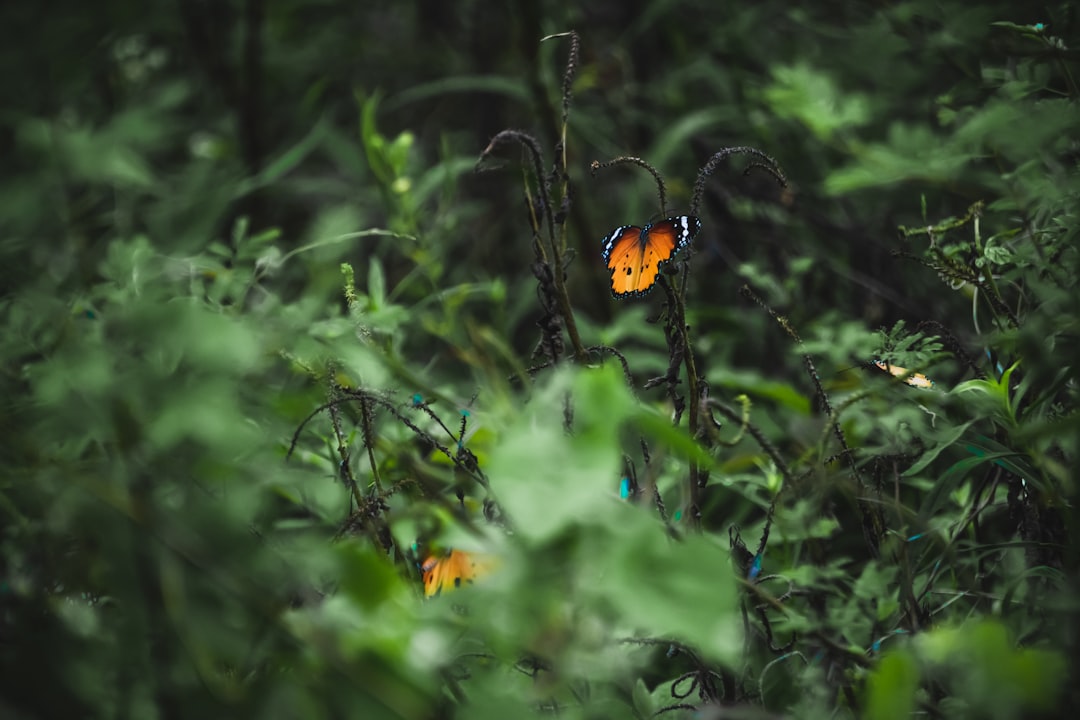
634	255
914	379
450	570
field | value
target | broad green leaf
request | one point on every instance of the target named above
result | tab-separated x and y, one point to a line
946	441
891	687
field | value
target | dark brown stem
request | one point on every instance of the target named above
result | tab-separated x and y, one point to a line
660	189
766	163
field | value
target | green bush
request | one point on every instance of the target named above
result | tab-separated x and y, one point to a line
267	362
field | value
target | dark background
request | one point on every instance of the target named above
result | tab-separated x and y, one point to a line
181	181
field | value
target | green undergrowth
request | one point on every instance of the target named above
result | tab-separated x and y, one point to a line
227	461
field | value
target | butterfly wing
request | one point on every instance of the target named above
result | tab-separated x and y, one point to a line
450	571
666	239
635	255
914	379
622	255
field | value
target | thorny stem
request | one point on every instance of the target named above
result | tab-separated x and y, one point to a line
369	441
568	83
359	395
692	386
767	164
1056	49
532	148
660	189
342	448
567	311
759	436
872	522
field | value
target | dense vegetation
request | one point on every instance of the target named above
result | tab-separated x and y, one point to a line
299	295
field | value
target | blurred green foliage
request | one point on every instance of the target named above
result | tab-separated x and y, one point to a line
270	340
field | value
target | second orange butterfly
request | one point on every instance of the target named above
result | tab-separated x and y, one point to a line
913	379
447	571
634	255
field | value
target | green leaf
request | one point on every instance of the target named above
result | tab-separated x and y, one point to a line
376	284
642	698
397	152
374	143
890	689
284	163
812	97
913	152
656	585
549	481
512	88
991	397
659	428
367	578
948	439
987	671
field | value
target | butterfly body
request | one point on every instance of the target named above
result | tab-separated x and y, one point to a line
634	255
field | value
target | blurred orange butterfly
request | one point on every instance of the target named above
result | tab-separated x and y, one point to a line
634	255
914	379
451	570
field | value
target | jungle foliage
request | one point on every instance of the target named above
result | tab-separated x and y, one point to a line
299	297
